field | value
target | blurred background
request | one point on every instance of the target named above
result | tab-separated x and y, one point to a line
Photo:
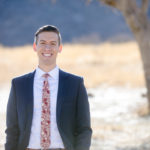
99	45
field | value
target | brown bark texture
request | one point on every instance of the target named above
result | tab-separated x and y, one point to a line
137	19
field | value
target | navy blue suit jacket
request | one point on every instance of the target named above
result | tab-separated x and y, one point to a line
72	112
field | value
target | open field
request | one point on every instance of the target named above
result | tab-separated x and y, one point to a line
114	78
112	64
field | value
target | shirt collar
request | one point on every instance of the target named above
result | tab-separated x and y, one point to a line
53	73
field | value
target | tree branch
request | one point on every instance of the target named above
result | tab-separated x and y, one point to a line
112	3
134	16
144	7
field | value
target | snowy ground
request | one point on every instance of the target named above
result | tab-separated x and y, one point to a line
117	118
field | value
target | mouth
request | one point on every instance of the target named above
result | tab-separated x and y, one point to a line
47	55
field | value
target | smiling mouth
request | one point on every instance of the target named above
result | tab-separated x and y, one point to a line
47	55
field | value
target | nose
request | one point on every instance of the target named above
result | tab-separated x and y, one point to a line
47	47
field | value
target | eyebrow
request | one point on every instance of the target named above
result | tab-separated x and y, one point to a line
42	41
46	41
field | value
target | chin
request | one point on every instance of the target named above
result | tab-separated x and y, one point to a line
49	64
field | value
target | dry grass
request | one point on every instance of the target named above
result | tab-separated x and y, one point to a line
112	64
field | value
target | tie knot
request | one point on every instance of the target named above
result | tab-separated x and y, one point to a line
46	75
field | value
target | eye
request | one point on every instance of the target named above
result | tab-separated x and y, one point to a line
53	43
42	43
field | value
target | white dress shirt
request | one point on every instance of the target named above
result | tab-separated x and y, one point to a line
56	141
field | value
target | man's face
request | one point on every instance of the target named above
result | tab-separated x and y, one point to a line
47	48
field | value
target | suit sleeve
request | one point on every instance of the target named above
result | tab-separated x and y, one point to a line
12	130
83	125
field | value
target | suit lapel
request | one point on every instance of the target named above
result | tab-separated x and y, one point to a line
61	91
29	97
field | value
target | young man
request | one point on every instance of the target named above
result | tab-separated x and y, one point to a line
48	109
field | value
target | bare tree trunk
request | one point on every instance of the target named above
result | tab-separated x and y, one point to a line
137	20
144	46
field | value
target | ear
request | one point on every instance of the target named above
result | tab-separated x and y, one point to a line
60	48
34	46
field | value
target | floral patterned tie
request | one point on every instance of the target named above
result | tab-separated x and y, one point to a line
45	114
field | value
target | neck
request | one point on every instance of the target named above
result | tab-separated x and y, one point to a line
46	68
